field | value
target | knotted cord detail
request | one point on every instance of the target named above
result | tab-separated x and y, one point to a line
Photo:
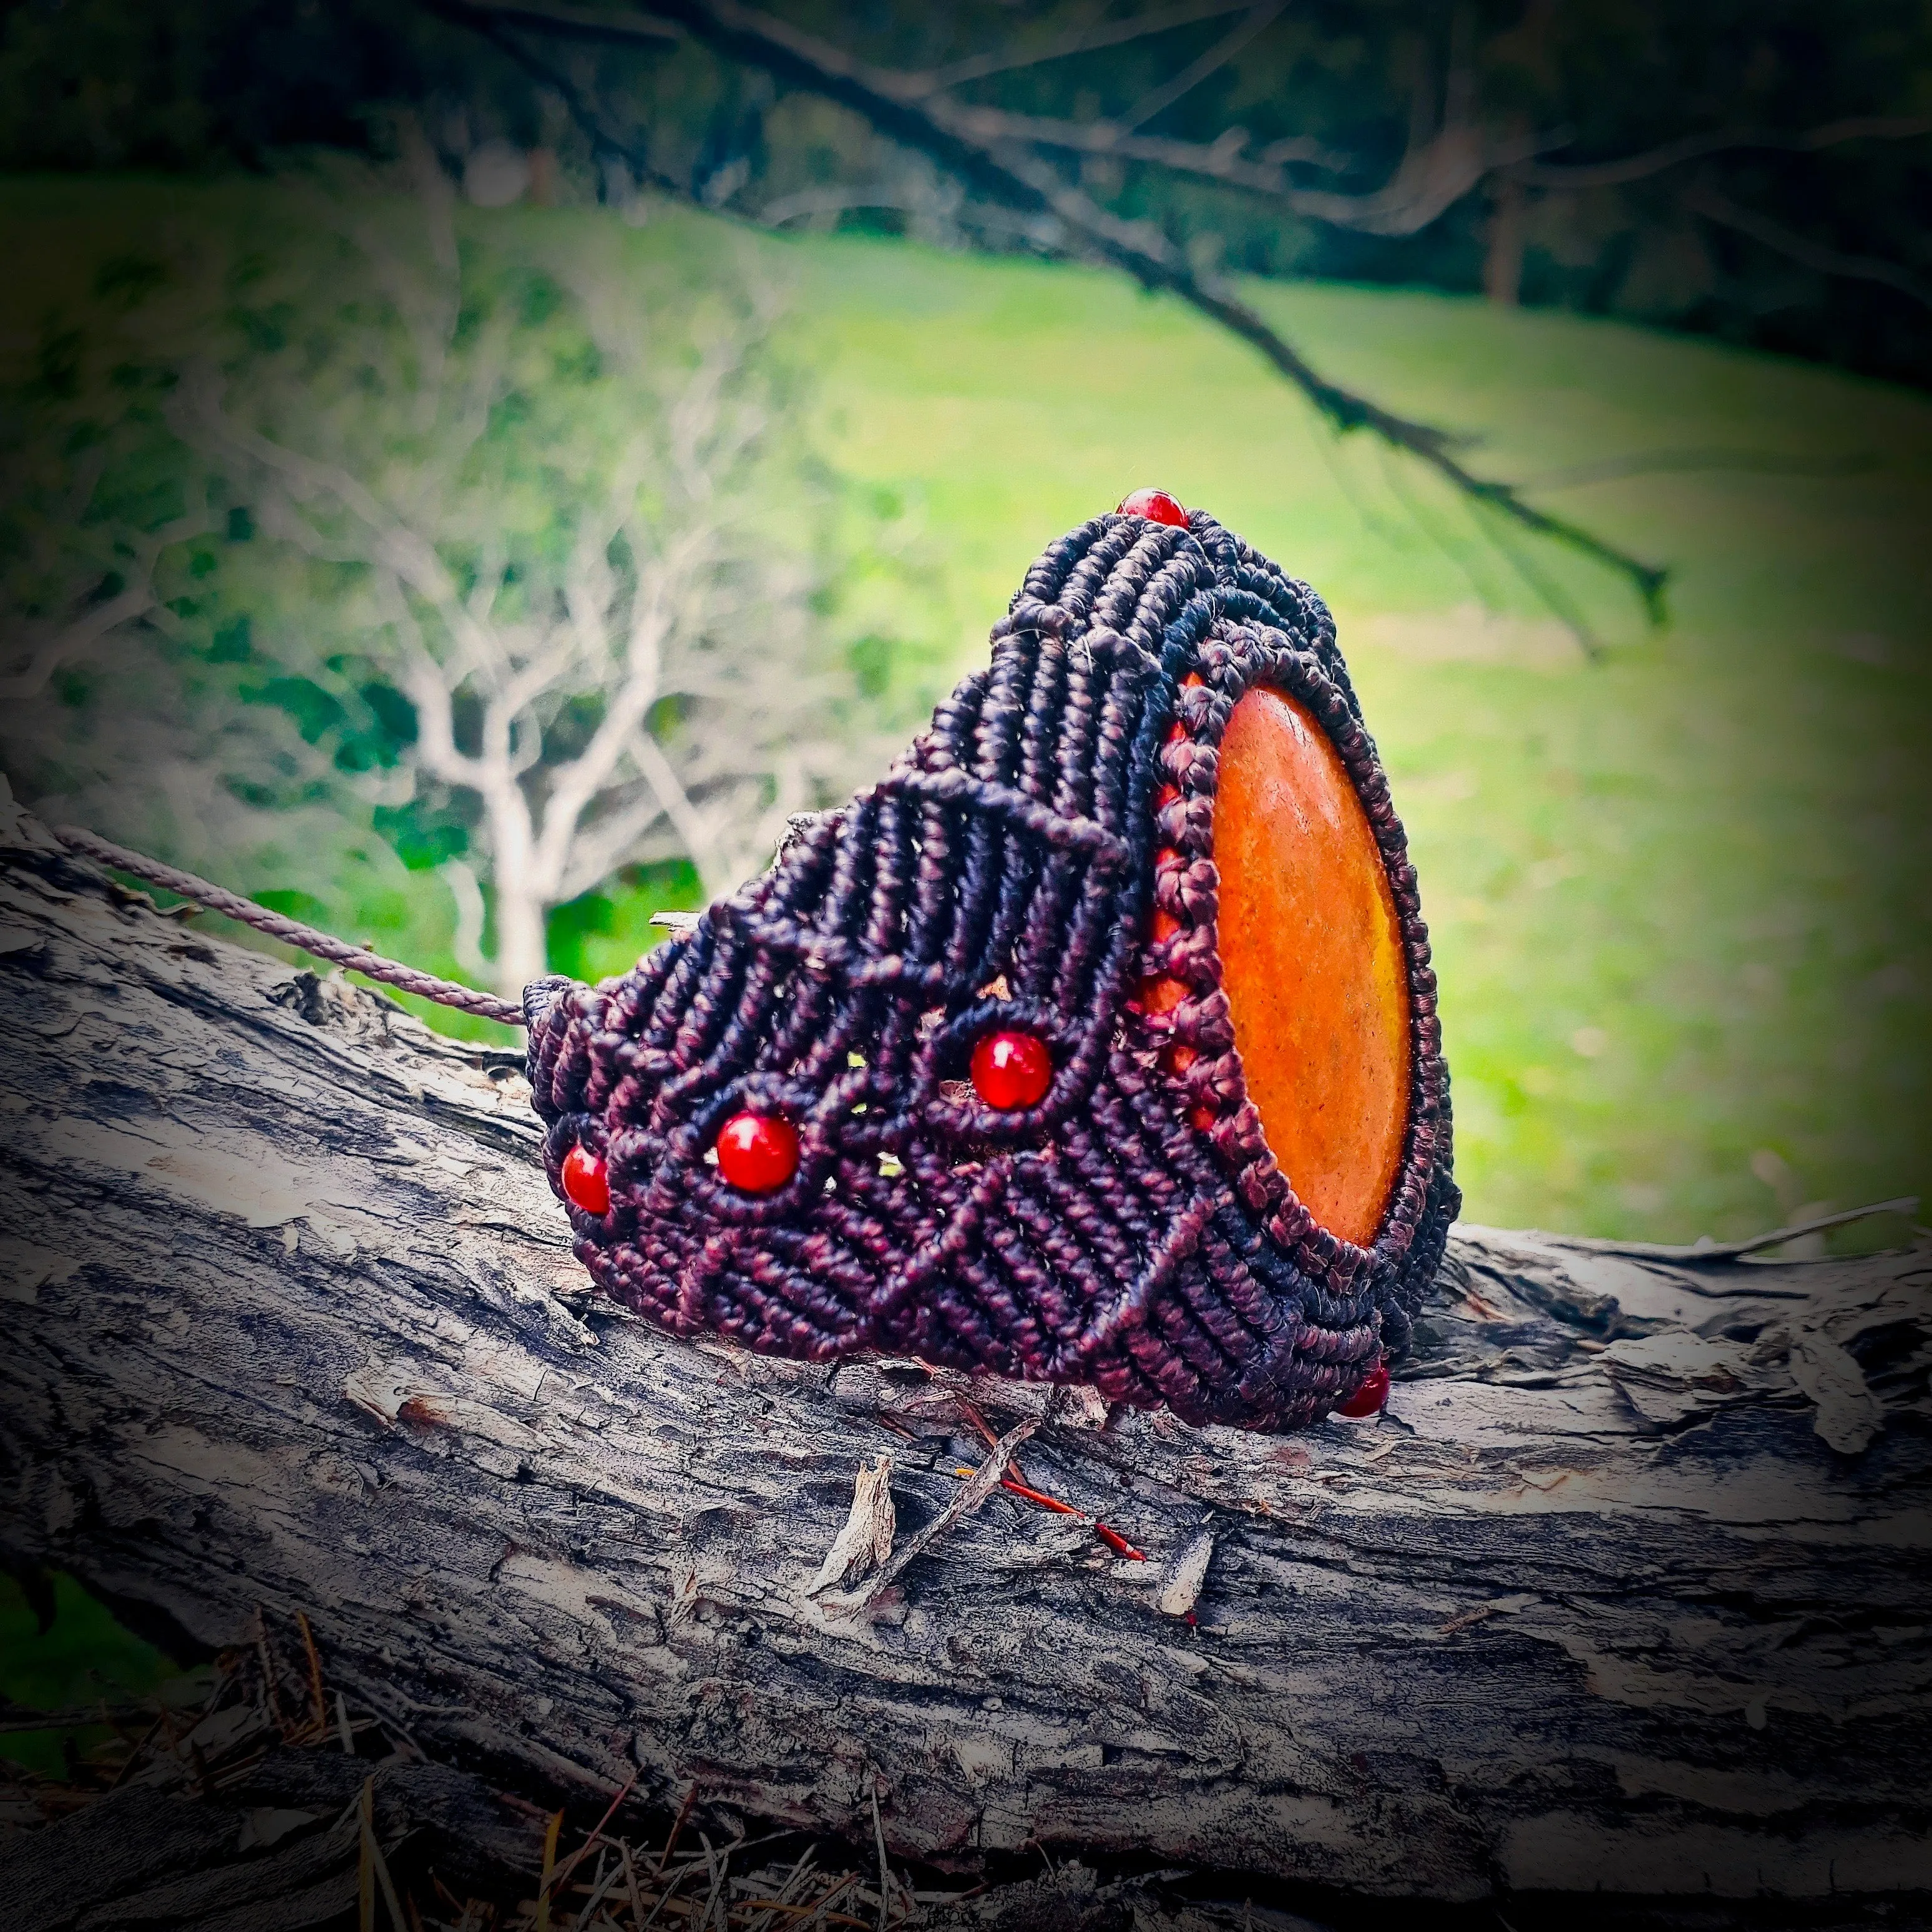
311	939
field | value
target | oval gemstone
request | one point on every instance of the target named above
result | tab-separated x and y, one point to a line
757	1154
1156	505
1011	1069
586	1182
1312	962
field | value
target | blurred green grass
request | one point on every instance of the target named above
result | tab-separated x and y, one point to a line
1679	894
82	1657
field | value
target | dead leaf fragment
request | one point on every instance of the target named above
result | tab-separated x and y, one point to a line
866	1540
1180	1588
1849	1414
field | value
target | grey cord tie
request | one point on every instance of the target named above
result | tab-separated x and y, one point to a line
292	932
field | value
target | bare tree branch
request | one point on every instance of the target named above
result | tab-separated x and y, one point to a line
138	598
48	656
1715	141
1815	255
979	67
1679	462
493	21
468	895
600	848
1432	177
1007	172
663	590
1160	99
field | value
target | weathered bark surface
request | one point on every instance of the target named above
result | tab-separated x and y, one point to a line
1627	1590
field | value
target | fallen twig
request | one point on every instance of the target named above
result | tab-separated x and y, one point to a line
314	1673
577	1858
970	1496
677	1828
543	1882
1112	1538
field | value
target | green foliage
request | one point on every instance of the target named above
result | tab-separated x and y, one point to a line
606	933
326	382
1677	896
62	1652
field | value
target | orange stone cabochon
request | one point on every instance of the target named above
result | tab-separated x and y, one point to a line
1312	962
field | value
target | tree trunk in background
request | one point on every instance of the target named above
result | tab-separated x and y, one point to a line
1626	1591
522	942
1502	259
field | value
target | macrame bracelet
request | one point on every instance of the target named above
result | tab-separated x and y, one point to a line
935	1085
959	1077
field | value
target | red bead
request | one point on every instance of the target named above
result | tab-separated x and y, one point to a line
1368	1399
1011	1069
757	1154
1156	505
586	1183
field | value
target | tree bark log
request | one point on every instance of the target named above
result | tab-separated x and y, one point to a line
1626	1591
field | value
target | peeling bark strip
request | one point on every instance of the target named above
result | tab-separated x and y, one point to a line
1628	1589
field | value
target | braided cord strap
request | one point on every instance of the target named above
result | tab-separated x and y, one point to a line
291	932
1126	1226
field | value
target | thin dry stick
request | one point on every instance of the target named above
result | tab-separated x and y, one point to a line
365	1866
822	1913
765	1907
605	1879
718	1868
885	1870
342	1726
577	1857
669	1892
631	1880
977	67
1905	1204
314	1673
134	1756
551	1830
677	1827
1112	1538
372	1855
971	1494
275	1702
987	1434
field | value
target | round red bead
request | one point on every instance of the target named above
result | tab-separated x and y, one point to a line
1368	1399
757	1154
586	1182
1011	1069
1156	505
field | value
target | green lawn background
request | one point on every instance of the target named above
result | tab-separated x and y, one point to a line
1679	894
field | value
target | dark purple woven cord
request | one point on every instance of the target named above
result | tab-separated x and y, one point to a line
290	932
1132	1230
